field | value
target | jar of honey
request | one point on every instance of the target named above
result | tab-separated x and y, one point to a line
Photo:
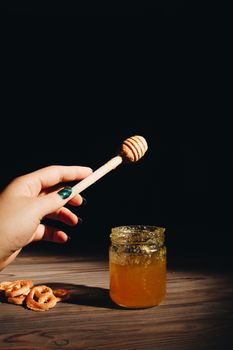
137	266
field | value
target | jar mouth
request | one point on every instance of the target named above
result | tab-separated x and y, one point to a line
138	234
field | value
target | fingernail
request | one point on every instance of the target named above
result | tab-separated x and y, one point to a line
65	192
84	202
68	239
80	220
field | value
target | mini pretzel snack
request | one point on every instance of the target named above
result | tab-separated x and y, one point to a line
41	298
4	285
17	300
61	294
36	298
17	288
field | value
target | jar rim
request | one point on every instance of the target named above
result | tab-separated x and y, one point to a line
137	228
149	234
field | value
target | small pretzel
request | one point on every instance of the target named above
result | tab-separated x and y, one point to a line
4	285
17	300
16	288
61	294
41	298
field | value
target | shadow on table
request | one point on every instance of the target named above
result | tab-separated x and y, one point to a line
86	295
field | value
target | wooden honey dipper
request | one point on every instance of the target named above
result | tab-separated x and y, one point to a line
132	149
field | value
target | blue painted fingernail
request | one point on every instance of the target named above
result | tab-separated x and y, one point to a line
65	192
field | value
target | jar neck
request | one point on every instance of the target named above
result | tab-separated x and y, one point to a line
138	235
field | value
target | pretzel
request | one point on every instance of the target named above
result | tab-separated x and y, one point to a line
61	294
17	300
38	298
4	285
17	288
41	298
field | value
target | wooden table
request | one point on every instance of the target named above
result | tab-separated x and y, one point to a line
197	313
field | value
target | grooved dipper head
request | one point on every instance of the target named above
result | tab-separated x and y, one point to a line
133	148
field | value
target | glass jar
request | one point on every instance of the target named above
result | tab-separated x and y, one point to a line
137	264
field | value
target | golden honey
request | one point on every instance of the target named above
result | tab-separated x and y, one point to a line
137	263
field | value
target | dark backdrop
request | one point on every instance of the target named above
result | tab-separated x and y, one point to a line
94	8
169	186
71	98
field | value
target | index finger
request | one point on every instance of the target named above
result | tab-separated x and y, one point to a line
53	175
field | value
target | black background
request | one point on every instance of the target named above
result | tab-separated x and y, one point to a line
93	8
73	92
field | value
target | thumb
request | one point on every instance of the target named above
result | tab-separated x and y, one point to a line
55	200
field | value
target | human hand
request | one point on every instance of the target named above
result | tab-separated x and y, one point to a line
30	198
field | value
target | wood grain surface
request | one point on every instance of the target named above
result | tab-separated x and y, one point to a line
197	312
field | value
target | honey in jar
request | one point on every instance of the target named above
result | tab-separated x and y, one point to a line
137	264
